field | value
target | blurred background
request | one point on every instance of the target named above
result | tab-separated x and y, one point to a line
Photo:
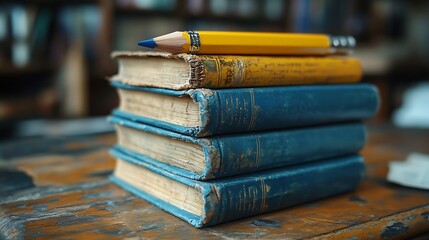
55	54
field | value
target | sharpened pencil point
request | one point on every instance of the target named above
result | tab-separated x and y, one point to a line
150	43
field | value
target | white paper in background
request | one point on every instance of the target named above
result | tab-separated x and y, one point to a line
414	111
413	172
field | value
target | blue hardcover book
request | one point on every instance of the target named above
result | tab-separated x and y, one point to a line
205	203
205	112
233	154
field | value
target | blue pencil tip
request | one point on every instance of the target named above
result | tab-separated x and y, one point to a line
150	43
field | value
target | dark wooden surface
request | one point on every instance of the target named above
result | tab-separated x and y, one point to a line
57	188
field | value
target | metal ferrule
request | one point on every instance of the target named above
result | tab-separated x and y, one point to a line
195	44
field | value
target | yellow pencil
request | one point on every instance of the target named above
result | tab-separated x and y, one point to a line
250	43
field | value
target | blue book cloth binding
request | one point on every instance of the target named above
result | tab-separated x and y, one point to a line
253	109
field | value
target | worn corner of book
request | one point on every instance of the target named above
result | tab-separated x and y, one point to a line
211	199
200	92
196	70
204	97
188	57
213	158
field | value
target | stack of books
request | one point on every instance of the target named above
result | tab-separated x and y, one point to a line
213	138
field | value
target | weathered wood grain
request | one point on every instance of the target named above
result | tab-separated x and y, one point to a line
66	195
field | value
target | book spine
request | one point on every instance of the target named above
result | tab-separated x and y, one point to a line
250	71
246	196
246	153
252	109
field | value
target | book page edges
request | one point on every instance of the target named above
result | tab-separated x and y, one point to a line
209	199
194	220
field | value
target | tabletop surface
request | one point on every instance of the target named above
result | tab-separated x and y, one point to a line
58	188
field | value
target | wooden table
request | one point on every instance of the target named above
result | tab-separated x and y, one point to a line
58	188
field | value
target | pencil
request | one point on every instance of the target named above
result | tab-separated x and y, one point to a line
250	43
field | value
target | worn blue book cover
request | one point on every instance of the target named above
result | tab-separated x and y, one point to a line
205	203
205	112
233	154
